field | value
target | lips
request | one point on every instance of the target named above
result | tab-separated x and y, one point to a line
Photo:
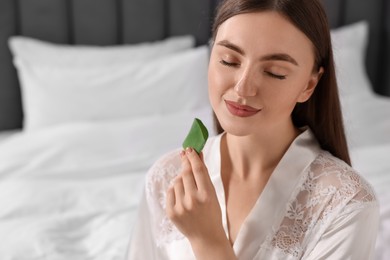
240	110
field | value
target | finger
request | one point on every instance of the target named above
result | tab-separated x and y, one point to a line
201	156
170	202
185	164
200	173
179	190
187	175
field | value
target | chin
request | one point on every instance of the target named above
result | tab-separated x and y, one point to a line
236	128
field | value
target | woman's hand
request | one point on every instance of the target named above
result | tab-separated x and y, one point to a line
192	205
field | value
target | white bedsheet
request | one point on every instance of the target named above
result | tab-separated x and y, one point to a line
367	120
71	192
373	162
4	135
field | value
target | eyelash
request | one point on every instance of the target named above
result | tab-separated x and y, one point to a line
228	64
280	77
231	64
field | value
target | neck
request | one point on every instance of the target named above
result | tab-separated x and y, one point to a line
251	155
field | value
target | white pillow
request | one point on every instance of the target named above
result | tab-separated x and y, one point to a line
53	94
349	46
37	51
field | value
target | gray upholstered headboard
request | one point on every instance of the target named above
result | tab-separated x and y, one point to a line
110	22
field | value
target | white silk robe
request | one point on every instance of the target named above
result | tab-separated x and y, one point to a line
313	207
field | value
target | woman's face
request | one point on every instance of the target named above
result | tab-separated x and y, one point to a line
261	65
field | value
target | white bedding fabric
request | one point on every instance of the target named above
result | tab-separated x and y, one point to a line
54	93
373	162
71	191
6	134
367	120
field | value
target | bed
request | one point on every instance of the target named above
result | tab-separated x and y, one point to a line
92	94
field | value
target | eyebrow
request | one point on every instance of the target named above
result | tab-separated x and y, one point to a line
281	57
231	46
269	57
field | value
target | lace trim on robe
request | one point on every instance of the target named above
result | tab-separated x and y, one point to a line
326	189
159	179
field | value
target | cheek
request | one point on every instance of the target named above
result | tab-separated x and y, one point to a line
218	82
282	98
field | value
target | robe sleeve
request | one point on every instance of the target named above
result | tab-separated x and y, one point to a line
351	236
143	242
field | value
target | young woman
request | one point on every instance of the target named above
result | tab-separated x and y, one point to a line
276	183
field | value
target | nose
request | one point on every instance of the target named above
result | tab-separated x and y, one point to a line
246	85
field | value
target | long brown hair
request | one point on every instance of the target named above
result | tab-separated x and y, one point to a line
322	112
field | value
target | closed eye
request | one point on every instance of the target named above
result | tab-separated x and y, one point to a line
276	76
229	64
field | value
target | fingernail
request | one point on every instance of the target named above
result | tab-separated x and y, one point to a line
182	153
189	150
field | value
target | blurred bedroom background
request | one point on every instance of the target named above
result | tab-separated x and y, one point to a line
92	92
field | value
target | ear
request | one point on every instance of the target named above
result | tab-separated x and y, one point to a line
311	86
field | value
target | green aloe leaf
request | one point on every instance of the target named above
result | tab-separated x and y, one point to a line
197	136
